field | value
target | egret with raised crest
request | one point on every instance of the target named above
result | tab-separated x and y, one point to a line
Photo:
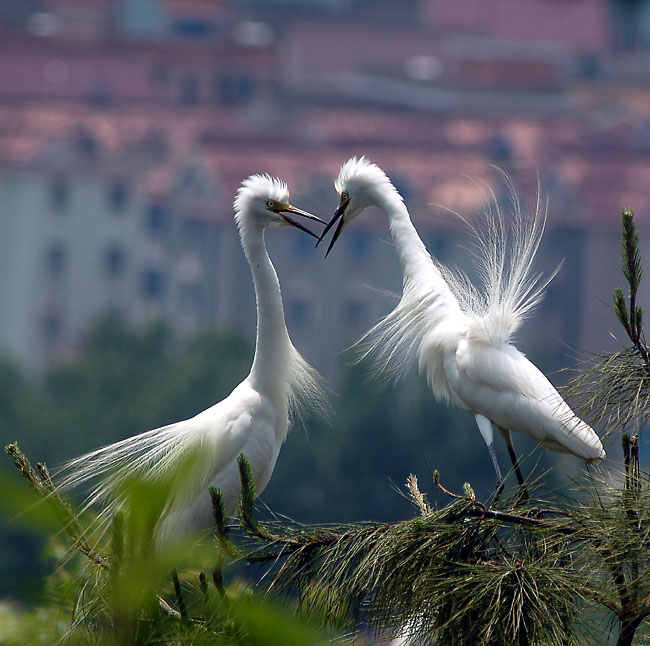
461	336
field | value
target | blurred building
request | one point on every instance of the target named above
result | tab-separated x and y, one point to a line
126	127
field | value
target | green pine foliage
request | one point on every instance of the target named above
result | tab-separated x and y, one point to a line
121	593
613	390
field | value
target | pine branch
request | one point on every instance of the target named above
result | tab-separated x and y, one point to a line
620	308
286	541
221	523
632	317
611	390
381	563
247	502
446	567
42	483
614	389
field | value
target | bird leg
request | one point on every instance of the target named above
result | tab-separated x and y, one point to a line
485	426
507	438
515	464
493	455
179	594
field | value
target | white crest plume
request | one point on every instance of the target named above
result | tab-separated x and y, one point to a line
259	187
361	172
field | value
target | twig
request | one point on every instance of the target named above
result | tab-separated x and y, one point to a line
221	524
451	494
179	595
42	483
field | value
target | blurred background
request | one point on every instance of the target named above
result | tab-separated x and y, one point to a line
126	127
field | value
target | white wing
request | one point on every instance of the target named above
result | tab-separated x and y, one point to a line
503	385
254	432
207	444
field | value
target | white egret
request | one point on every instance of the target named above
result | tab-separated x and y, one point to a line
461	336
253	419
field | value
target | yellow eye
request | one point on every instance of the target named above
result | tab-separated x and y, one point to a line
345	196
270	203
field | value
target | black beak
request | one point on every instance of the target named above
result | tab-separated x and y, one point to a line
339	215
294	223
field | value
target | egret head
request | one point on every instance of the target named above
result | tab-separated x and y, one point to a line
265	200
360	184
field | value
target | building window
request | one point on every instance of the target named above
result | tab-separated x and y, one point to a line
159	75
55	259
118	195
439	247
192	27
353	313
87	144
114	261
154	284
359	245
234	90
303	246
157	219
52	326
195	232
298	313
192	296
59	194
189	90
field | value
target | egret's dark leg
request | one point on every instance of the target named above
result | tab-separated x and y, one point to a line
515	464
179	595
507	437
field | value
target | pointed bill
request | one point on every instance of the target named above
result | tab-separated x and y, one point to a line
336	235
339	216
288	209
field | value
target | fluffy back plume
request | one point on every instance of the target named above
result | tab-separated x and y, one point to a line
509	289
306	391
392	345
151	456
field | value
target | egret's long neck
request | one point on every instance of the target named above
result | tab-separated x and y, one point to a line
272	346
413	255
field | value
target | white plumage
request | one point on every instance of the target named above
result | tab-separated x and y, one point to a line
253	419
459	335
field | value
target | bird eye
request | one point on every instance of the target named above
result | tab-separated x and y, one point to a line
345	196
270	203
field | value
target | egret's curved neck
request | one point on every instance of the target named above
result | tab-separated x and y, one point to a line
272	345
413	255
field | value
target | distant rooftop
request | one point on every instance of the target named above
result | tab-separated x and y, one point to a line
246	86
588	164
